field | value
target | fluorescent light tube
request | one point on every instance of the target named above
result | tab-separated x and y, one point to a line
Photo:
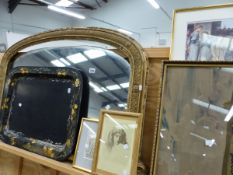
90	129
125	31
229	70
208	142
154	4
210	106
77	58
95	87
64	3
105	90
58	63
121	105
133	126
113	87
94	53
215	108
65	62
229	115
66	12
124	85
118	125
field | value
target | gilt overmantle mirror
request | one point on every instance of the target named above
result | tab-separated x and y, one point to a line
114	64
116	71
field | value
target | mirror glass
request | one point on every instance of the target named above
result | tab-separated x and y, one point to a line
107	71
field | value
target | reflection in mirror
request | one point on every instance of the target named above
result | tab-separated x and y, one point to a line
108	72
195	133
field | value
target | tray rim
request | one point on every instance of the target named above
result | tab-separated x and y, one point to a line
47	149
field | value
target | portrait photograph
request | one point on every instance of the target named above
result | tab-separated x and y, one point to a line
117	146
199	34
86	144
195	121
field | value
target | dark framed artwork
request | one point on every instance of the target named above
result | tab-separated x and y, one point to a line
41	109
194	130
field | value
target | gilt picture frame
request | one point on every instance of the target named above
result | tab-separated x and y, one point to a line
85	147
199	34
117	145
193	133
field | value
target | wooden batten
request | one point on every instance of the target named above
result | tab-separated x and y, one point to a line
155	56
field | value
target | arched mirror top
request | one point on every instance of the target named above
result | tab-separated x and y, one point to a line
109	40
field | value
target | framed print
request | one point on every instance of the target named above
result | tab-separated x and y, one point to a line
194	131
203	33
41	110
86	144
117	143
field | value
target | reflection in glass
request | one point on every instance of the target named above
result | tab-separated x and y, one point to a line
86	145
108	72
194	138
116	149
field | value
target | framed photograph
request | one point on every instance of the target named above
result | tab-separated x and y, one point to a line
203	33
118	141
194	133
86	144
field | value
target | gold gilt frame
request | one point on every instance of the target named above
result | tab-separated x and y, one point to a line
160	112
78	143
123	43
193	9
1	55
1	73
137	117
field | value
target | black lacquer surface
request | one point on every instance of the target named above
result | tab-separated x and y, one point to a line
41	109
27	115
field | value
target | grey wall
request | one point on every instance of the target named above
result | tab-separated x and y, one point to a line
139	16
150	25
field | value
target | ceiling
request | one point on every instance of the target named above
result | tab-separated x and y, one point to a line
138	16
80	4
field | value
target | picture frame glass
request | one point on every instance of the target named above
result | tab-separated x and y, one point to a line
117	144
200	34
86	145
195	131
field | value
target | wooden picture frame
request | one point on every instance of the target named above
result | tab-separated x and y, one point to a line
193	132
117	146
203	33
85	147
